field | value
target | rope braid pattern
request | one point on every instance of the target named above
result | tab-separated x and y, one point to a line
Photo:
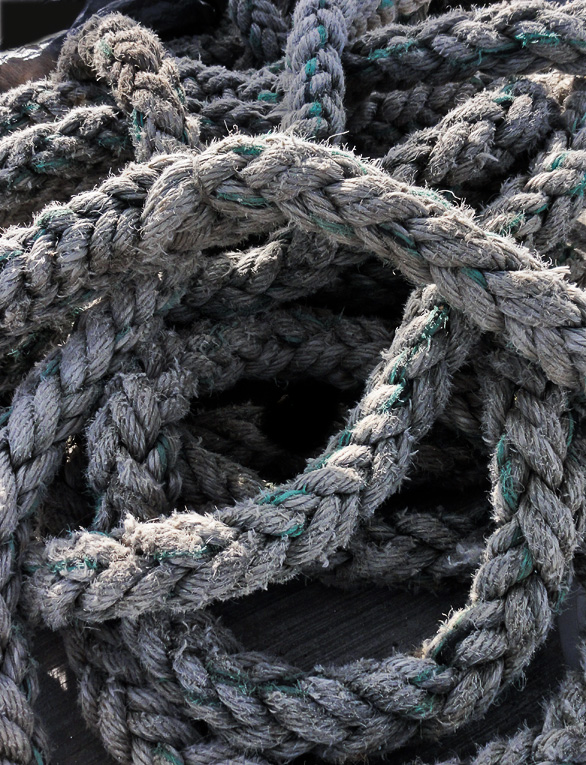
482	137
47	100
145	85
255	192
227	110
153	312
247	685
335	352
520	560
500	40
316	91
262	27
542	206
42	158
282	536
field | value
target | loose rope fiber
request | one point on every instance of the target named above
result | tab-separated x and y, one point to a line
362	197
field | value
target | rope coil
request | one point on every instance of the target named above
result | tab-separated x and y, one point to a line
122	303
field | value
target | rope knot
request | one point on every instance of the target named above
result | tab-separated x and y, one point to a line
144	81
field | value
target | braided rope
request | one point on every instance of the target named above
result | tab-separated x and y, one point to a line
316	91
500	40
144	83
485	278
484	137
125	305
262	26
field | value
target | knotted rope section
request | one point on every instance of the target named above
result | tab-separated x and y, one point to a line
145	84
347	194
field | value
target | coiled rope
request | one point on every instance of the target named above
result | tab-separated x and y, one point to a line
123	302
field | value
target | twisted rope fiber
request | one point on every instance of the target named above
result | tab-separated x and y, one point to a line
120	711
311	343
22	741
96	346
50	99
225	99
215	712
384	118
464	420
417	539
262	27
54	158
483	137
75	345
43	101
127	368
253	193
268	370
499	39
542	206
256	199
496	751
316	91
241	114
419	147
360	742
144	83
374	559
288	528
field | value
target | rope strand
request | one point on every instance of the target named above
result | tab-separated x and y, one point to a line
148	307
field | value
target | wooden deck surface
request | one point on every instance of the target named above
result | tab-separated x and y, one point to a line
308	623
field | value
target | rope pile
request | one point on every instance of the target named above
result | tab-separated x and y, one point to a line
376	196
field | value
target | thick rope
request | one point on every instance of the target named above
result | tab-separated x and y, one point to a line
498	40
133	311
315	101
485	276
143	81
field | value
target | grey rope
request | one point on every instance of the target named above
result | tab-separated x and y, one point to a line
141	308
542	206
262	26
498	40
145	85
315	97
481	138
240	203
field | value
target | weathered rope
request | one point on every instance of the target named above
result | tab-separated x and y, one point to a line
500	39
484	277
316	91
477	140
89	556
542	206
262	27
218	264
521	565
144	83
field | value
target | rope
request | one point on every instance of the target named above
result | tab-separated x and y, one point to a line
203	232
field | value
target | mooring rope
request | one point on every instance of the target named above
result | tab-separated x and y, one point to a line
185	221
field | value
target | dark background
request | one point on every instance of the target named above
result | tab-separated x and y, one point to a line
26	21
